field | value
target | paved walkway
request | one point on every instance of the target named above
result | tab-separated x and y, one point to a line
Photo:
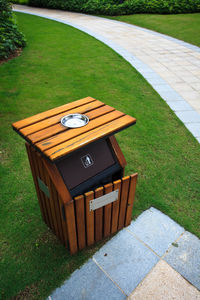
153	258
171	66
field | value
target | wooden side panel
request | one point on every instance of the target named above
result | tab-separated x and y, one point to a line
123	201
118	151
80	221
63	222
57	181
35	174
98	217
71	226
107	211
89	218
57	211
42	175
131	196
42	195
53	206
52	201
115	207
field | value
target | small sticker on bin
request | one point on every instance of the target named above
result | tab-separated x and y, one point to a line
87	161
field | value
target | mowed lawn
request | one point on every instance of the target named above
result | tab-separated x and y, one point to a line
181	26
61	64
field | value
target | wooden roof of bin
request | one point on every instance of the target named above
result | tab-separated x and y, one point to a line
46	133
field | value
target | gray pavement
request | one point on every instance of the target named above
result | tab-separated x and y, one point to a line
171	66
153	258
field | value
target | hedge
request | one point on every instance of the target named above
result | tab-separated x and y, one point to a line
121	7
10	37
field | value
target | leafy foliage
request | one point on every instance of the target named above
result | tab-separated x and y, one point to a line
122	7
10	38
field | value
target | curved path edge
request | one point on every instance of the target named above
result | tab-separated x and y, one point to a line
183	110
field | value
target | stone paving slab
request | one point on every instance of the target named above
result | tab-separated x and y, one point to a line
174	61
88	283
128	266
126	260
164	283
156	230
185	258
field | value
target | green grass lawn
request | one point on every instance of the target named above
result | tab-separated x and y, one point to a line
61	64
182	26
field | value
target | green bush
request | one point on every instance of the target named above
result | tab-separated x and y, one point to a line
10	38
121	7
23	2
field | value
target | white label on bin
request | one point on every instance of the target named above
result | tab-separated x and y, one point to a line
87	161
104	200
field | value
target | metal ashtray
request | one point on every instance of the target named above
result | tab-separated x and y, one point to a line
74	120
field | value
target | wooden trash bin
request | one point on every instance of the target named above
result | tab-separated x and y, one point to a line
79	173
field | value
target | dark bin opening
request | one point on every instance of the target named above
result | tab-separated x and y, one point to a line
89	168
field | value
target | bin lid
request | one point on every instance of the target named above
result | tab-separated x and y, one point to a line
50	137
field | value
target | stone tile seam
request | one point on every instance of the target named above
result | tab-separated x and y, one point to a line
170	247
108	276
161	258
142	242
124	53
150	271
181	275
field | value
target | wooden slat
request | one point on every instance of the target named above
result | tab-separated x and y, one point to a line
115	207
52	203
71	226
69	134
55	119
123	201
49	113
118	151
57	212
57	128
57	181
80	221
89	218
42	196
63	222
34	174
98	223
47	200
107	211
131	196
88	137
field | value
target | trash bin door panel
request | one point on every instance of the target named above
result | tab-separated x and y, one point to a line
85	163
93	225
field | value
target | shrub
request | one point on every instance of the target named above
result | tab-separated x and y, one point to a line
10	38
23	2
121	7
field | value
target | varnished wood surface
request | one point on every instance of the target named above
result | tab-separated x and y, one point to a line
46	133
98	217
107	211
89	218
80	217
131	197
